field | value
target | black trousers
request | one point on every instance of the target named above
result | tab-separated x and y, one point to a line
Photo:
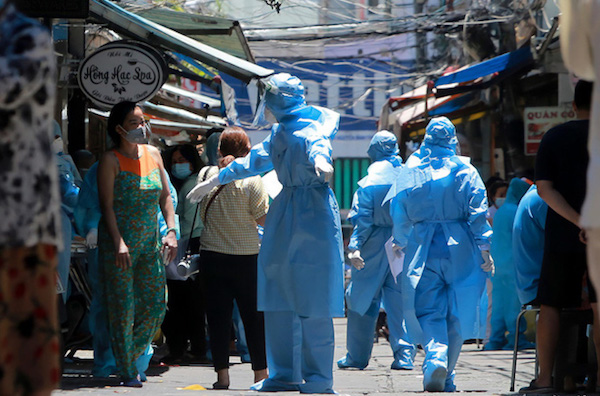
225	278
185	318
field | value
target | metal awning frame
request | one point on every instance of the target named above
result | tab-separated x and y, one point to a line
134	26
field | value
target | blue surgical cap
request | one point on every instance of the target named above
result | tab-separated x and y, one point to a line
383	144
284	94
441	132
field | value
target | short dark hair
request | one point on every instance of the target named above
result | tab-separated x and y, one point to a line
583	95
117	116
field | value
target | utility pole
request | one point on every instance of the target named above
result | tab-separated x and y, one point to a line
421	40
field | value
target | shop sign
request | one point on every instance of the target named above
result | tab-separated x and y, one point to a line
538	120
121	71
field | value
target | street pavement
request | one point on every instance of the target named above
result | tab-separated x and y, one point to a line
478	372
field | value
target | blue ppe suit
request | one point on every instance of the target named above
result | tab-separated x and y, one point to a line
87	217
505	302
528	244
300	264
69	192
375	282
438	207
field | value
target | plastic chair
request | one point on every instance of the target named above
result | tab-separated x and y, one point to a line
524	309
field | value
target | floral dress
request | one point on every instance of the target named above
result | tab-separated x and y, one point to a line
135	296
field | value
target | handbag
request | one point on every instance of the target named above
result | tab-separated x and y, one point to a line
190	263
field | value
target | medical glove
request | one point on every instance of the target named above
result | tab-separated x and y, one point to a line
91	239
356	260
323	168
197	193
488	262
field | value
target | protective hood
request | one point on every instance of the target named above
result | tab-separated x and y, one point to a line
56	131
383	145
440	132
284	95
516	189
212	146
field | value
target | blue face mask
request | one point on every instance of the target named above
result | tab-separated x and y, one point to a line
499	202
181	170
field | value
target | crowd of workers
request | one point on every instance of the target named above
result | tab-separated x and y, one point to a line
425	245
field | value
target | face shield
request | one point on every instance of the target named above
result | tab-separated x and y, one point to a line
281	95
263	118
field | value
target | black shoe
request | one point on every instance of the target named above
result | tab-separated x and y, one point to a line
216	385
534	389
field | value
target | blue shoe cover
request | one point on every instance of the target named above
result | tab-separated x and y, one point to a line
434	378
131	383
402	365
449	386
346	362
403	359
271	385
522	345
317	387
142	377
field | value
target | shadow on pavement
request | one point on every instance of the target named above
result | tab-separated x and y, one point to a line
77	374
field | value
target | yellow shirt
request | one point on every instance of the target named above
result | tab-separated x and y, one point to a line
230	223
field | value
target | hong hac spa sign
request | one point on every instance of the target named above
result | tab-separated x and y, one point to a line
121	71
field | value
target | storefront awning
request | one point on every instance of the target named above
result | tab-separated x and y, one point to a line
223	34
137	27
491	71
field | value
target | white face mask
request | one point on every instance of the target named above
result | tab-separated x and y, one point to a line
139	135
58	146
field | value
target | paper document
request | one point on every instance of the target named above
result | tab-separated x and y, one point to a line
272	184
396	261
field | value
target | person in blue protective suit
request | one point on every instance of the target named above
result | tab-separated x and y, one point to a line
69	181
505	302
372	280
87	217
528	244
438	208
300	264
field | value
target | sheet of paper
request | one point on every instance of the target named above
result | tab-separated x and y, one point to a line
396	262
272	184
